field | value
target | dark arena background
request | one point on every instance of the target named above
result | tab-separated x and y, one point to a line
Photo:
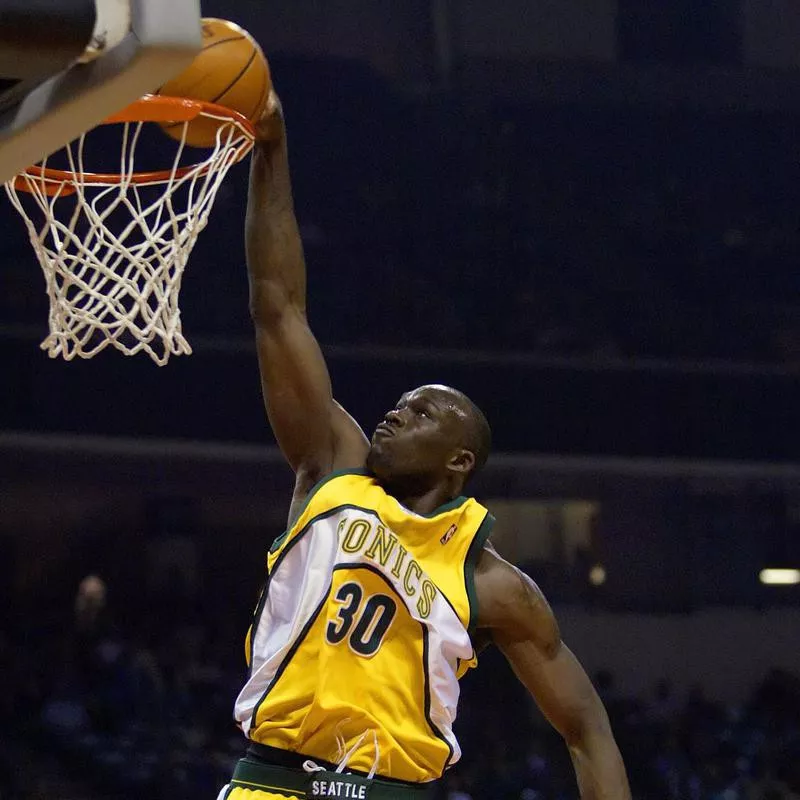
586	215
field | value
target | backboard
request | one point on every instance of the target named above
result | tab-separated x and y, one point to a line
66	65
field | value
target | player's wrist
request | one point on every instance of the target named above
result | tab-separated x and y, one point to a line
270	127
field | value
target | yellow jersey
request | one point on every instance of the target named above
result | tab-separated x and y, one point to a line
363	626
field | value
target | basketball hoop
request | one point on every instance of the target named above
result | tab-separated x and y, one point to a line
113	245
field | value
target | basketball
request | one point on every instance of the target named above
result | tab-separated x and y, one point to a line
230	70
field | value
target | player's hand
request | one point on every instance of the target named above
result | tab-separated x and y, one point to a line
271	126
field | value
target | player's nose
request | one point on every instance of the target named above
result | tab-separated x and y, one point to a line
393	417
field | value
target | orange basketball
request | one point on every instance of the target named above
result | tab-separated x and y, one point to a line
230	70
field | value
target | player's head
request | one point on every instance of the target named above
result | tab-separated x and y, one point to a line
434	434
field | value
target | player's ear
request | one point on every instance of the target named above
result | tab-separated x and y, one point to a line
462	461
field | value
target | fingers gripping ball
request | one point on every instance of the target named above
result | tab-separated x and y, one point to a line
230	70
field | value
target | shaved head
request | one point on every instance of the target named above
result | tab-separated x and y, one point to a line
476	431
480	434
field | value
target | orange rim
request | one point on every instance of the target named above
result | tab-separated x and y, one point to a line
150	108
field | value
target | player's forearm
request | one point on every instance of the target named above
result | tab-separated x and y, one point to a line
275	261
598	764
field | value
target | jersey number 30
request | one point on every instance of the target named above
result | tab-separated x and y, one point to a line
365	622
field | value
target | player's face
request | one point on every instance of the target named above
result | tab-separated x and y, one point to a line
418	437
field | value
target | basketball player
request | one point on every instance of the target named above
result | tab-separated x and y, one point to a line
384	584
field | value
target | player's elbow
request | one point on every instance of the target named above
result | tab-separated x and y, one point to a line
269	303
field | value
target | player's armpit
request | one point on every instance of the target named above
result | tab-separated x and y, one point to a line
522	625
481	639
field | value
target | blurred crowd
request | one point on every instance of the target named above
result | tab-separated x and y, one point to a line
101	703
557	230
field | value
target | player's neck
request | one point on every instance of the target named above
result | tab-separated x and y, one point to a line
423	501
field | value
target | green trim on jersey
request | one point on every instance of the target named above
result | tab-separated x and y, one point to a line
427	678
448	506
470	562
254	620
278	543
309	497
304	530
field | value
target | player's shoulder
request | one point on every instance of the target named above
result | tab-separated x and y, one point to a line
497	579
509	601
313	489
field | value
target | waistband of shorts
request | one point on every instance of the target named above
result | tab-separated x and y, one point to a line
274	770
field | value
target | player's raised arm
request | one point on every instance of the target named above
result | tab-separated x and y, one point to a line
315	434
512	609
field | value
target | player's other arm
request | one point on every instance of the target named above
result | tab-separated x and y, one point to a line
512	609
315	434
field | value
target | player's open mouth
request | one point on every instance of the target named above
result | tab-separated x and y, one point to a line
384	429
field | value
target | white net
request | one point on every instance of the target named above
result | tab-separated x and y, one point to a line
113	248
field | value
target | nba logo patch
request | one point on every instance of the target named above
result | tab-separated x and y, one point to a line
448	535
